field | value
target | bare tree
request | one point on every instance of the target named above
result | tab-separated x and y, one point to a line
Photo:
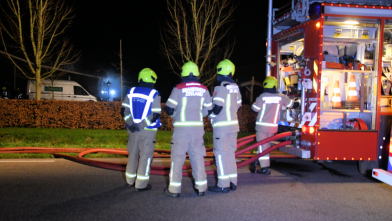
33	30
194	33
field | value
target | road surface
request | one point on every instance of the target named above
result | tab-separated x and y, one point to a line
57	189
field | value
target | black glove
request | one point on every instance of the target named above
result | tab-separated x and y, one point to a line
169	110
155	116
134	128
217	109
296	104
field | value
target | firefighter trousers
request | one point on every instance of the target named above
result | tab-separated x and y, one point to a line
225	145
193	143
264	160
140	148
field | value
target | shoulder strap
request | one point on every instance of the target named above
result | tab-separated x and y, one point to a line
147	107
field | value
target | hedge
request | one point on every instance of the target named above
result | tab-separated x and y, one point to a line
87	115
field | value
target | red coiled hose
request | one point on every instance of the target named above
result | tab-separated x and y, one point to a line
156	170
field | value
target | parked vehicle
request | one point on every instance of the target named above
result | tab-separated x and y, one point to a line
59	90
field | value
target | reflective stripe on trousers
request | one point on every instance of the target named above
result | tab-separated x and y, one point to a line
140	149
191	143
264	160
225	145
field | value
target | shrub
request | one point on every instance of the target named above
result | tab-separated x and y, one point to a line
87	115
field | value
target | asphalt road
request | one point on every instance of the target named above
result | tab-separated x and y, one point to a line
57	189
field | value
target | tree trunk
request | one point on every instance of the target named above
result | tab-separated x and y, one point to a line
38	84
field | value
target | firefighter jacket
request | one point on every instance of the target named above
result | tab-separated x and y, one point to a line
140	105
228	96
191	102
268	106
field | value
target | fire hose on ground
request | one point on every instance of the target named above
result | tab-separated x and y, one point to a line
155	170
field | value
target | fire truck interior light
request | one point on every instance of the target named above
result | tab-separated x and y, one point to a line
349	22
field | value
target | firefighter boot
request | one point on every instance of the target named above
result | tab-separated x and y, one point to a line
200	193
218	189
168	193
252	166
232	186
148	187
264	170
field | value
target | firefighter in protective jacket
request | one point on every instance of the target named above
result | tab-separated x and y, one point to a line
188	103
226	102
268	106
141	109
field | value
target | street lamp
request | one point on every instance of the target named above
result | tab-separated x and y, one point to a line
108	89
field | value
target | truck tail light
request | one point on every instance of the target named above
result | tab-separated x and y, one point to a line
308	130
304	129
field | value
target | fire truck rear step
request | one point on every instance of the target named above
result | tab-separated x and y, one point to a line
290	149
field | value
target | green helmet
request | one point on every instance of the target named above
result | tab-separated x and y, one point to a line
270	82
226	67
190	68
147	75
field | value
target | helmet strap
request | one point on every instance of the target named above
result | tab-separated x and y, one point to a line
221	78
146	84
190	79
270	90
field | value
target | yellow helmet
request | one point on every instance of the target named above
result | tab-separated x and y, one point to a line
147	75
270	82
190	68
226	67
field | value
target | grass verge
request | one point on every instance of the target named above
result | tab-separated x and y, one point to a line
78	138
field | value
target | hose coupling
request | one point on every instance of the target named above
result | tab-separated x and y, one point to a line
306	143
297	133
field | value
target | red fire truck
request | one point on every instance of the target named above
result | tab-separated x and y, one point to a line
336	58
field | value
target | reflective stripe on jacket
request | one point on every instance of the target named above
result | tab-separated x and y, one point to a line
228	96
191	101
268	106
140	104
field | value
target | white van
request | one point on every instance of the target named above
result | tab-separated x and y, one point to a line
59	90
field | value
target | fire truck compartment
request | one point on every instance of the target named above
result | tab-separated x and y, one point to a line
346	145
335	119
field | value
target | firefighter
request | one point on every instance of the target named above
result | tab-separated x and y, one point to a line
141	109
188	103
268	106
226	102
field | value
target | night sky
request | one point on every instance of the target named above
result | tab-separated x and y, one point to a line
99	25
